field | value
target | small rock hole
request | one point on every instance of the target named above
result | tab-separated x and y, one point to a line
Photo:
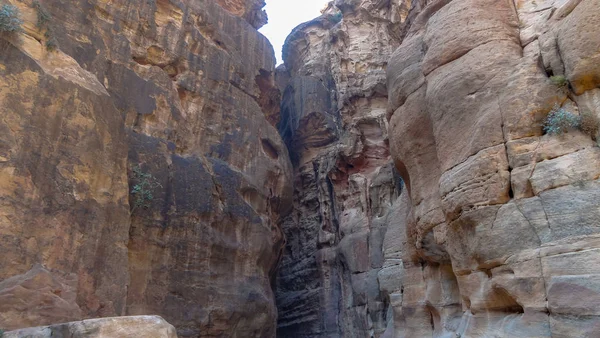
270	149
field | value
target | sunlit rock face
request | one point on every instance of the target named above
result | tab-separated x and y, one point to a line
333	119
500	220
251	10
182	92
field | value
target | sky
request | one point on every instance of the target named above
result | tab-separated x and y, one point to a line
284	15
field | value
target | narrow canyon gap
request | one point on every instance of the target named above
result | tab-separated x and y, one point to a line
428	200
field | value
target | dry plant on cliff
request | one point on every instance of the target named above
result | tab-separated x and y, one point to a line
589	124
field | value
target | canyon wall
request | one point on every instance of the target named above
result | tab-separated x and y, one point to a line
141	172
503	220
494	232
392	179
333	119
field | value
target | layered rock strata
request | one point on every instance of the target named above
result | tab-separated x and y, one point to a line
141	169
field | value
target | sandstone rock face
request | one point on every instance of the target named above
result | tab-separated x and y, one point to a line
141	169
500	221
251	10
122	327
496	233
333	118
64	192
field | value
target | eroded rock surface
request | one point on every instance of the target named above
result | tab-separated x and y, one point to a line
141	171
496	233
334	122
64	192
122	327
502	226
251	10
180	94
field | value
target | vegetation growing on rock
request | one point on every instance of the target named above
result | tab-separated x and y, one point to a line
43	23
10	19
143	188
335	18
560	120
559	80
43	16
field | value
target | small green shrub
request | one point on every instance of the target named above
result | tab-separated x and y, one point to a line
559	120
43	16
559	81
10	19
335	18
1	333
142	190
51	45
43	22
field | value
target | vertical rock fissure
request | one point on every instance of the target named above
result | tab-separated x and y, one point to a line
334	108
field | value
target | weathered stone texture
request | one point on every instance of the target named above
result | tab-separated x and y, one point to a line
122	327
333	119
64	193
183	91
496	232
503	218
427	199
251	10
